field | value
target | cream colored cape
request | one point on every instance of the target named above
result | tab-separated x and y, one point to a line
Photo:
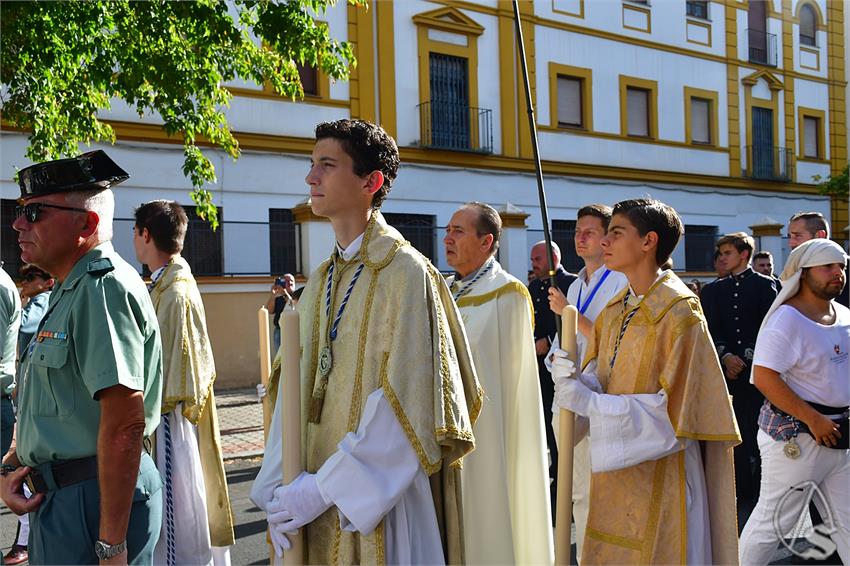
401	332
507	513
188	377
638	514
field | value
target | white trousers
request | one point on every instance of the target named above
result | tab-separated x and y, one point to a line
828	468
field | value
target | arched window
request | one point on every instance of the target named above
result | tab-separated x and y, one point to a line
808	25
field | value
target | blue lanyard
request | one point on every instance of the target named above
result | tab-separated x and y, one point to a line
582	309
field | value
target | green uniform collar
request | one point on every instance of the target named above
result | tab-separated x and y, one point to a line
97	262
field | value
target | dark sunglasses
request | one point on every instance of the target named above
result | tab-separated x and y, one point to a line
32	277
32	210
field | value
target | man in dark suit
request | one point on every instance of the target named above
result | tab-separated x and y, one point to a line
734	311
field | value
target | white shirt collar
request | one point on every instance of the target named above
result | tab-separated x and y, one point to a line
352	249
582	274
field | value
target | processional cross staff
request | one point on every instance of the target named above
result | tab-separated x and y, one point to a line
565	325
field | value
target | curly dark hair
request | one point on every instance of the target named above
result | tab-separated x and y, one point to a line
370	148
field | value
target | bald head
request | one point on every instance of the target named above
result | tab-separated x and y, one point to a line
539	262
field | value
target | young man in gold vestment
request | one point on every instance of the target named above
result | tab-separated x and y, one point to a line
662	427
389	393
197	521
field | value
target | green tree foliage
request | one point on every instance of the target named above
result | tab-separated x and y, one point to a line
62	62
838	185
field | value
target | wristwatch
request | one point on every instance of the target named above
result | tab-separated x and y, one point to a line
106	551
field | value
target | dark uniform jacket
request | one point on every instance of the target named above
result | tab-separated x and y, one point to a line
544	318
734	308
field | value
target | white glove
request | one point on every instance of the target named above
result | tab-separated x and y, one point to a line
562	367
296	504
261	391
280	542
573	395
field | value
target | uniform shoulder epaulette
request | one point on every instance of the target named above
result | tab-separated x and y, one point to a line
100	266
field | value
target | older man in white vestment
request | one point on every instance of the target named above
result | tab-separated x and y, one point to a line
389	392
505	481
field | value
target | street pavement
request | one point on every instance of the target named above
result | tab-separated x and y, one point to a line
240	417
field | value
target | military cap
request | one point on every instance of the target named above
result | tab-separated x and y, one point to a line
90	171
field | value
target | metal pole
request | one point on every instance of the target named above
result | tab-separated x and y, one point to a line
564	503
532	124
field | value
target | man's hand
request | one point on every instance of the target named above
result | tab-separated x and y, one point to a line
824	429
12	492
557	300
119	559
733	365
541	346
277	290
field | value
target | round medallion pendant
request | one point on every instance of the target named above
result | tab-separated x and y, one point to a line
792	449
326	361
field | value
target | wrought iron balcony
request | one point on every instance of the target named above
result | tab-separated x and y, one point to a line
762	46
768	163
457	127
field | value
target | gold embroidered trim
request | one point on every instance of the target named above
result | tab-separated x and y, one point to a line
646	358
683	511
367	237
475	411
357	392
389	393
336	542
317	315
616	540
445	371
654	511
379	544
510	287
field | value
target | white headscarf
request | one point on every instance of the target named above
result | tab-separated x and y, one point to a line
811	253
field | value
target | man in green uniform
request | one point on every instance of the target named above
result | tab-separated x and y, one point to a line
90	379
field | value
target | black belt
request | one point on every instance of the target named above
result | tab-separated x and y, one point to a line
843	423
65	473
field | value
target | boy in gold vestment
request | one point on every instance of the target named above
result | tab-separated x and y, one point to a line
389	393
661	423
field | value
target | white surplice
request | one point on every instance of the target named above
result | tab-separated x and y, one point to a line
192	531
374	475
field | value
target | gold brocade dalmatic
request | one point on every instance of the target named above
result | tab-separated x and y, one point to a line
638	514
401	332
188	377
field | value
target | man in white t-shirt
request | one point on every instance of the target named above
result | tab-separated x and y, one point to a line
801	366
595	287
